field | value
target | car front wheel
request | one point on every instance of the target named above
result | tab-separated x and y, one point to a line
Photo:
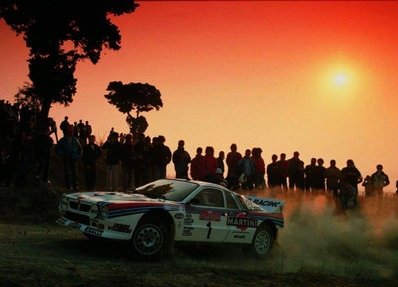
262	241
149	239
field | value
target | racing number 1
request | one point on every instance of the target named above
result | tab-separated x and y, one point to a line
209	232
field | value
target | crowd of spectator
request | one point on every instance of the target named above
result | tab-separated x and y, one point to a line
26	142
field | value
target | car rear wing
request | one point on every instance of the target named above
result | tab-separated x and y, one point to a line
268	204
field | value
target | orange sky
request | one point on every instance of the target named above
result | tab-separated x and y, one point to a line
257	73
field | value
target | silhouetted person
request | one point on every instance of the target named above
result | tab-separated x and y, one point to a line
88	130
296	172
210	162
259	167
112	160
198	165
220	161
309	175
91	153
319	175
64	125
333	178
284	170
348	194
352	176
181	160
43	145
53	128
369	187
142	150
232	160
127	162
247	170
161	157
25	148
379	180
273	173
69	148
81	131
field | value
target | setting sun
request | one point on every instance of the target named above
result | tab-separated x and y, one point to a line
340	79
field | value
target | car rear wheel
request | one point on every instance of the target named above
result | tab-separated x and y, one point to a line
149	238
262	241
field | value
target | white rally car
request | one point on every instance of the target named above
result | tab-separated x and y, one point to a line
155	216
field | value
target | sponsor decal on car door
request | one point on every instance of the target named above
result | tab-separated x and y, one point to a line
204	224
206	219
241	227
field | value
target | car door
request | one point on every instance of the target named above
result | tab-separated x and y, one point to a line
206	218
241	226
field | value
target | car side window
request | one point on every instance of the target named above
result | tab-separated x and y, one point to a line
231	203
209	197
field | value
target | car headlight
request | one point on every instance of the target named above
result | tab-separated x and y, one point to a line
103	212
94	210
63	204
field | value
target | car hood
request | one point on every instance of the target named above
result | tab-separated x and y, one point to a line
114	197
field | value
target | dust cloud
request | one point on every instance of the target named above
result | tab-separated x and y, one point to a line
319	237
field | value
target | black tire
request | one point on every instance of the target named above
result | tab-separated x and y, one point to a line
263	241
150	238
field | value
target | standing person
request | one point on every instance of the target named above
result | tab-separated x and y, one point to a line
64	125
352	176
369	187
273	173
161	157
198	165
247	171
127	162
112	160
91	152
319	176
210	163
309	175
53	128
259	166
333	177
233	158
379	180
296	172
284	170
220	162
81	129
88	129
142	164
69	148
43	145
181	160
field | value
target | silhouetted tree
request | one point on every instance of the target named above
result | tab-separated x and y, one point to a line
136	97
26	97
58	34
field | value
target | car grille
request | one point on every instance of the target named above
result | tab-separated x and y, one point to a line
84	219
79	206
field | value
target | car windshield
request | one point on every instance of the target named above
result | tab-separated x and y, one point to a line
173	190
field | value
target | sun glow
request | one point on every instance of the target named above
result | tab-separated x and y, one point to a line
340	79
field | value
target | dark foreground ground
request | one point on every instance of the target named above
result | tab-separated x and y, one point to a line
317	247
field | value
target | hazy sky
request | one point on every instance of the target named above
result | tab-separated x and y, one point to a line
316	77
